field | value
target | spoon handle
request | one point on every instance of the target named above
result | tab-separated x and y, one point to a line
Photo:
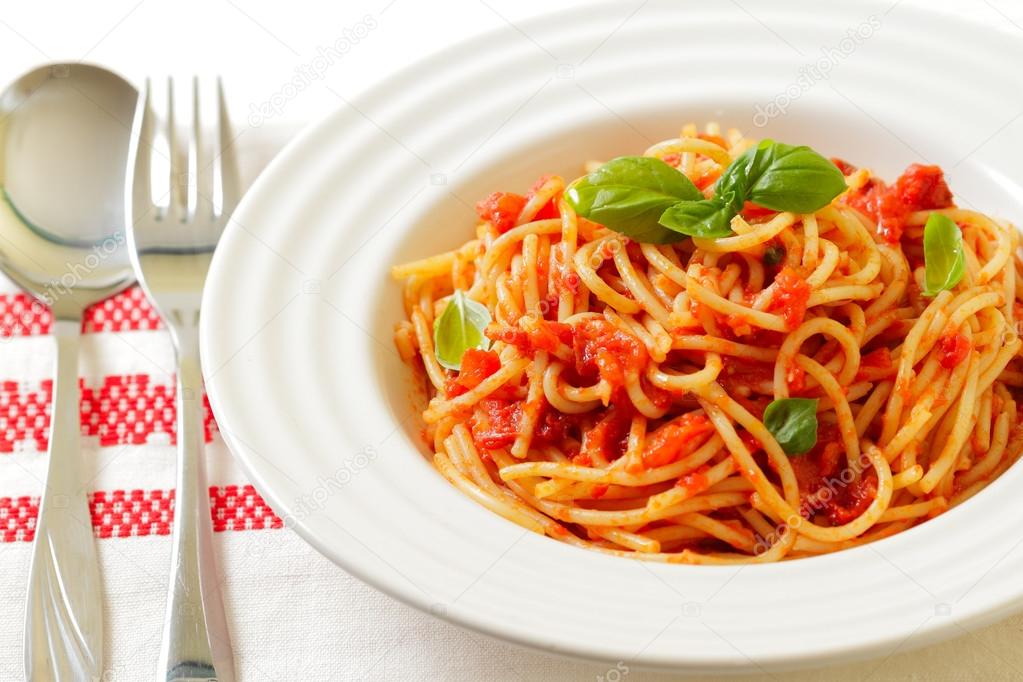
196	643
64	617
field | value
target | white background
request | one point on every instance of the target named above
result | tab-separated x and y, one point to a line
309	620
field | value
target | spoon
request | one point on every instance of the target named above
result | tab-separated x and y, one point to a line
64	132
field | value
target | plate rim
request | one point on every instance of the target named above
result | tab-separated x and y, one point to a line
926	635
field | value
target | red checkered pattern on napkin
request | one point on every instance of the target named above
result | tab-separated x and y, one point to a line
117	410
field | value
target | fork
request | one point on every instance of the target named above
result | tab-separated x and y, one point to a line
171	245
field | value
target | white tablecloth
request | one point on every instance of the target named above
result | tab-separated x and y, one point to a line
293	614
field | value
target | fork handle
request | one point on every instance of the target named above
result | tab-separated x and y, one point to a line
64	614
196	644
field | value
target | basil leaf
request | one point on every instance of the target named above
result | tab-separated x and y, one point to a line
459	328
793	423
707	218
944	262
783	177
628	194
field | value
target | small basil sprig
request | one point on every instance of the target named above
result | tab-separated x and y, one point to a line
459	328
644	198
944	262
705	218
629	194
793	423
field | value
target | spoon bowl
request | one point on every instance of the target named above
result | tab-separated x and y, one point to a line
64	132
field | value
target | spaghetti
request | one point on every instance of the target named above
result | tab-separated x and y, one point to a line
620	397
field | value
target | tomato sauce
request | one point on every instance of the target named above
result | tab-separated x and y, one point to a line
495	423
501	209
694	482
750	441
741	376
676	439
825	482
791	294
541	335
603	350
917	189
795	378
552	426
953	349
879	359
609	437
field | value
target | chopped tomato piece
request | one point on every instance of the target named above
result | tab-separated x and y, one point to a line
844	166
706	179
551	425
953	349
751	211
694	481
745	376
918	188
599	491
791	294
880	359
550	209
608	437
603	350
501	209
676	439
795	377
672	159
824	489
582	460
477	365
922	187
541	334
852	499
495	424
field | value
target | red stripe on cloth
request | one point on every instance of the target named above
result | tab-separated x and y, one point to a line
22	315
123	410
136	513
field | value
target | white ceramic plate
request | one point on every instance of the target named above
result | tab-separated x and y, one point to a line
311	397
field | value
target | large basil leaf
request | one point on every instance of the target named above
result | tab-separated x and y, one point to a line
783	177
628	194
